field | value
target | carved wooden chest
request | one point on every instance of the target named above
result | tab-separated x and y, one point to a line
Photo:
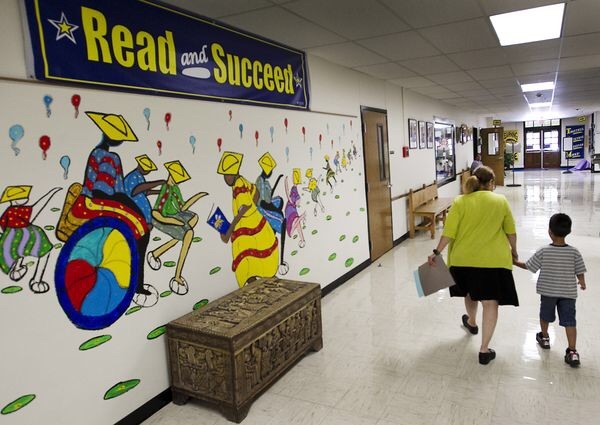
232	349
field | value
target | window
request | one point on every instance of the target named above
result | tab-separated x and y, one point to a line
551	141
445	166
381	153
532	141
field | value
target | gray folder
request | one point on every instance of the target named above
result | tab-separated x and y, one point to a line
430	279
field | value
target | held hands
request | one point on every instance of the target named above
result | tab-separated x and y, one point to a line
582	284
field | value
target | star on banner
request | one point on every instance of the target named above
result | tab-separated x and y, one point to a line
65	29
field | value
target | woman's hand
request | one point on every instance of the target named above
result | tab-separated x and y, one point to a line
431	260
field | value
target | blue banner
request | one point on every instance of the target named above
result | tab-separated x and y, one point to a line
577	132
144	45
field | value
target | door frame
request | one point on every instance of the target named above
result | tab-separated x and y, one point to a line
366	182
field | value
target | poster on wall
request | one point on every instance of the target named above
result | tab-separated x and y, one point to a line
169	52
577	133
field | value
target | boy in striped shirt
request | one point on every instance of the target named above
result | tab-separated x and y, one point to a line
561	270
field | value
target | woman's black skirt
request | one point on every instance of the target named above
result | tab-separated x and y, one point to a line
484	284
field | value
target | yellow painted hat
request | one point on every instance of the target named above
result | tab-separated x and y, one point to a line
113	126
326	157
13	193
230	163
177	171
297	174
146	163
309	173
267	163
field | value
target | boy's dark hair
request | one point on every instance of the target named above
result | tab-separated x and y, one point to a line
560	225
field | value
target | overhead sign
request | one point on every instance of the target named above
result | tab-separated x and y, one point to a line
577	134
582	118
496	122
143	45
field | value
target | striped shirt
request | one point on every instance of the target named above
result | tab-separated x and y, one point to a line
559	266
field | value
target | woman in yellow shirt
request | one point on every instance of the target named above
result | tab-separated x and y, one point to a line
482	242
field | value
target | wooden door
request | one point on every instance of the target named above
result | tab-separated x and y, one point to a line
551	156
377	170
492	151
533	149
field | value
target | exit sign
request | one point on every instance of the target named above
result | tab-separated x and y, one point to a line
497	122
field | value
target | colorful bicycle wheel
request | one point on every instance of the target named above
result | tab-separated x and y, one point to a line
96	273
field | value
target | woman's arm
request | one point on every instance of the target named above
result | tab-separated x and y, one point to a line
444	240
512	240
226	236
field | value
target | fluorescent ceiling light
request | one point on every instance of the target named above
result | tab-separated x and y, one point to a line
549	85
540	104
526	26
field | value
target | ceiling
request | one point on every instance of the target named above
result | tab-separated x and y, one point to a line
444	49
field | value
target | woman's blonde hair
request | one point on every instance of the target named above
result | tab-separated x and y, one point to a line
481	178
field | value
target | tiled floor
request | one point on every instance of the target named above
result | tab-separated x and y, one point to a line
392	358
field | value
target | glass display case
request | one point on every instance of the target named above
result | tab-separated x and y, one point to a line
445	161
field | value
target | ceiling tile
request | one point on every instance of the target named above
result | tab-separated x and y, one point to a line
539	50
579	45
450	77
499	83
536	78
537	67
581	17
305	34
506	91
413	82
401	46
218	8
430	65
353	19
347	54
479	58
425	13
434	91
579	62
475	92
578	73
386	71
494	7
461	36
491	73
467	85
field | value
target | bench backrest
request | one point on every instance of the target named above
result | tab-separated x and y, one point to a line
463	178
422	196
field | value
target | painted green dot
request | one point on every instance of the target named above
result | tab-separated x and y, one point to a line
30	263
324	193
200	304
355	239
197	239
156	238
169	263
49	227
155	333
304	271
133	310
332	257
214	270
294	252
295	237
58	246
13	289
121	388
355	189
314	232
94	342
17	404
165	293
337	196
347	213
328	218
349	262
342	237
362	210
54	209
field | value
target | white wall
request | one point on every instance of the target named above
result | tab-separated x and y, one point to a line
40	345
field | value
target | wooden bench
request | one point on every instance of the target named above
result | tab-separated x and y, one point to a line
426	203
464	176
229	351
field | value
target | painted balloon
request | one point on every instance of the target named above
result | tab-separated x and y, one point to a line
311	152
272	131
230	114
304	134
45	144
47	102
147	116
285	122
193	143
76	101
159	146
219	143
287	153
350	125
65	162
16	133
241	127
167	119
256	137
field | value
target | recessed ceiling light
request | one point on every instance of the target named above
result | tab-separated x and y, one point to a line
549	85
540	104
526	26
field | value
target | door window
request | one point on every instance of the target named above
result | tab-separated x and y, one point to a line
532	141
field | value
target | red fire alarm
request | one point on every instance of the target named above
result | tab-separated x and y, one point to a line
404	151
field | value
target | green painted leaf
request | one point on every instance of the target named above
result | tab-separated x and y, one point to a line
13	289
349	262
121	388
169	264
58	246
17	404
165	293
49	227
200	304
328	218
197	239
295	237
155	333
133	310
214	270
355	239
342	237
337	196
294	252
332	257
304	271
94	342
156	238
30	263
362	210
314	232
347	213
54	209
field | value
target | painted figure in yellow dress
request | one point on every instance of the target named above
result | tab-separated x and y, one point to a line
254	245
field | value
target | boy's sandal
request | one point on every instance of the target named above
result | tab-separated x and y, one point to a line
544	341
572	358
465	321
485	358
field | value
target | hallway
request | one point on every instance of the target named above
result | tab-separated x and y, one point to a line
392	358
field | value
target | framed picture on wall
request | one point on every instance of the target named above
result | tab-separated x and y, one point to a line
429	135
413	136
422	135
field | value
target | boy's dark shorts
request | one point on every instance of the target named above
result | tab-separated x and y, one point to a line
565	307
